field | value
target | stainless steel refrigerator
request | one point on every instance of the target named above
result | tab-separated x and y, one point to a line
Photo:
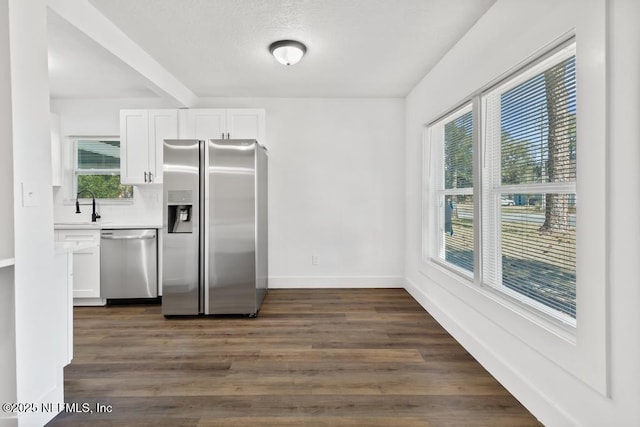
214	241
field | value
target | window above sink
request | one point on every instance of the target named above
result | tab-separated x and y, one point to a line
97	169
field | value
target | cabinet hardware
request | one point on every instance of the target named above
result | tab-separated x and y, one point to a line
145	176
150	177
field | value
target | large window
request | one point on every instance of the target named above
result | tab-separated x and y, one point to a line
453	148
526	199
529	176
98	169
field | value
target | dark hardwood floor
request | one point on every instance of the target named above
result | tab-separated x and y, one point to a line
356	357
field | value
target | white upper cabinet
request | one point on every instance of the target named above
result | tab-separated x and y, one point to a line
142	133
56	151
134	146
246	124
209	123
163	124
217	123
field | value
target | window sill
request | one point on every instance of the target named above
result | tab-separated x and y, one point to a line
563	329
502	306
460	273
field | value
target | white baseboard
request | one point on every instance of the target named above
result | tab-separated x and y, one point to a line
341	282
41	416
9	421
89	302
531	397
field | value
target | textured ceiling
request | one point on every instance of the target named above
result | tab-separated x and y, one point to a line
356	48
80	68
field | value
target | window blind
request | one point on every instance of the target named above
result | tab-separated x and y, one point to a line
94	154
458	152
538	123
98	169
530	201
454	139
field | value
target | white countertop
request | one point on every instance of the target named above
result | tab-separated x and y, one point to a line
107	225
7	262
67	246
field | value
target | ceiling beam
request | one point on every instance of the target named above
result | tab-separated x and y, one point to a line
86	18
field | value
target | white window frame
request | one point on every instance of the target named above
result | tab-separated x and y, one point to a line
582	349
485	192
77	171
492	188
434	157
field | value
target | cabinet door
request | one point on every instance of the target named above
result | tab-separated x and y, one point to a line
205	123
246	123
86	273
69	296
163	124
56	151
64	304
134	146
86	263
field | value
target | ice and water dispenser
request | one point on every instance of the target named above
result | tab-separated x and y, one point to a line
180	212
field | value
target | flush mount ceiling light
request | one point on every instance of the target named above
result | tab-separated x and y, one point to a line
287	52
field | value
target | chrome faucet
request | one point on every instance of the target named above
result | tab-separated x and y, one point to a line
94	214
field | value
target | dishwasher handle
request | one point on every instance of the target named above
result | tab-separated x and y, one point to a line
129	237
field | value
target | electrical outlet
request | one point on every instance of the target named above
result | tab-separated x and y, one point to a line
315	260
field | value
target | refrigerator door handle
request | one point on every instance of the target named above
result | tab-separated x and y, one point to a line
204	226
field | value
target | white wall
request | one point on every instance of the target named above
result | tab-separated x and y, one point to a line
590	379
335	184
39	375
7	313
8	340
623	234
6	152
335	190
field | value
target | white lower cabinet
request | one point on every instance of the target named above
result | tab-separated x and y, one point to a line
86	266
64	273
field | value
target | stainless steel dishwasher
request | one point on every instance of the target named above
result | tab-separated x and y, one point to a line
128	264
